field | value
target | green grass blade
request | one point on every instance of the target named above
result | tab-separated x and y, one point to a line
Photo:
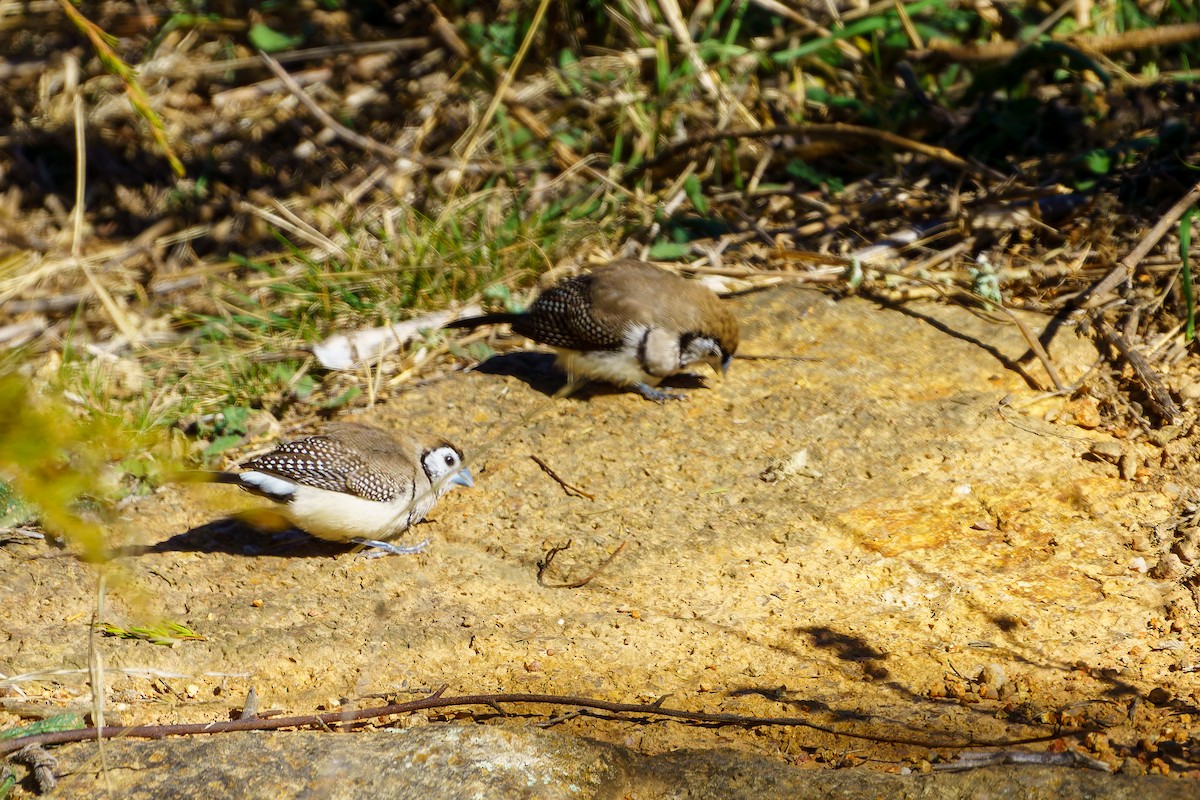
1185	246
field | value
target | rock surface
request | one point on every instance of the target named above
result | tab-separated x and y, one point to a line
483	762
884	527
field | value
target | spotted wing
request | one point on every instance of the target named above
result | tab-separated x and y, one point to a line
322	463
562	316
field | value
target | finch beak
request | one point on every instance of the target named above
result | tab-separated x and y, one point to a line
716	367
463	478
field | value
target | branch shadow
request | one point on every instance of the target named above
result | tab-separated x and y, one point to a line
1011	364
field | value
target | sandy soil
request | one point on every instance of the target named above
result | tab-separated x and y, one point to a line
890	532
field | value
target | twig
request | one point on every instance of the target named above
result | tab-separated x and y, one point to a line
544	566
569	488
506	80
819	274
1159	36
1156	393
561	718
827	130
1121	272
712	85
438	700
357	139
994	758
169	68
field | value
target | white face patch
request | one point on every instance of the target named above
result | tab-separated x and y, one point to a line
443	466
701	350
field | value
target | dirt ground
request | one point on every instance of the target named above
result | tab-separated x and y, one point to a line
885	529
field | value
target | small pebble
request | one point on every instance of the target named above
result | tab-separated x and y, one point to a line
1083	413
1108	451
993	675
1128	466
1131	766
1187	548
1159	696
1169	567
1165	434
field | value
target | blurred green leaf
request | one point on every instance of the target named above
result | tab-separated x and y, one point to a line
695	193
167	634
305	386
14	511
221	444
271	41
1099	162
342	399
669	251
234	419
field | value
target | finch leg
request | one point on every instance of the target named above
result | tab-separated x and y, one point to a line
389	549
657	395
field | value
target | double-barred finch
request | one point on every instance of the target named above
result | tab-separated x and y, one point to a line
629	323
355	483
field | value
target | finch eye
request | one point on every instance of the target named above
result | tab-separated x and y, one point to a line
449	460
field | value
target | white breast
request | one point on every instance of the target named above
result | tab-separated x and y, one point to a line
632	364
614	366
342	517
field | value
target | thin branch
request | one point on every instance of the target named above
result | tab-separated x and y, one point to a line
829	131
323	116
1156	393
544	566
1034	343
569	488
994	758
169	68
438	700
1120	273
485	121
1158	36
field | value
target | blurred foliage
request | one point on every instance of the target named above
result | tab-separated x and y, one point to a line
62	467
167	634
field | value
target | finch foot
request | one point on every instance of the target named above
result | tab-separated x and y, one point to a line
389	549
657	395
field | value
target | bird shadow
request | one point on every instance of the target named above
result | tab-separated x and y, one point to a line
237	537
538	371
